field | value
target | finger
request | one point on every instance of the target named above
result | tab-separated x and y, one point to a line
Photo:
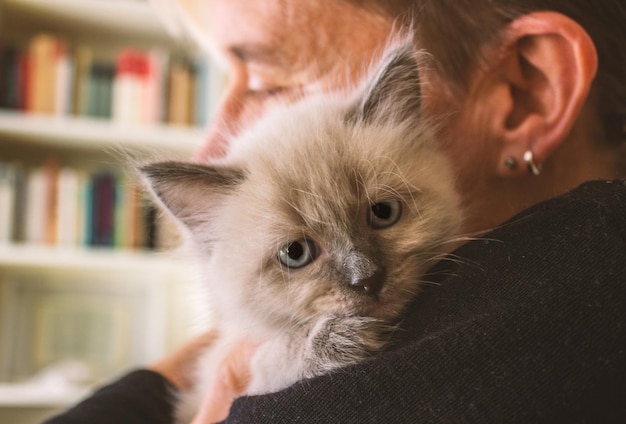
176	366
232	380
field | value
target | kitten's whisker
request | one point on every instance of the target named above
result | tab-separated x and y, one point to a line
429	283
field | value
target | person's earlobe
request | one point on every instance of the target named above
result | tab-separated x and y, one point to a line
549	68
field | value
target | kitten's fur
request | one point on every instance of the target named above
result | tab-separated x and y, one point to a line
313	171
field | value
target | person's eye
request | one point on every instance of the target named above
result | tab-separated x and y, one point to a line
297	254
265	92
261	87
384	214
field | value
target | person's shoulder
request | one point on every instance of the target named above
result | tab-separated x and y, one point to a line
591	207
608	193
572	234
548	254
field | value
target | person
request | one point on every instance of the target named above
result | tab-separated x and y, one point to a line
527	321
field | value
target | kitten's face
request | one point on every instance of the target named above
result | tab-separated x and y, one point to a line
317	212
331	221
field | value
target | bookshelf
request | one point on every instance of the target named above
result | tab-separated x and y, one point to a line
72	132
91	312
132	21
46	258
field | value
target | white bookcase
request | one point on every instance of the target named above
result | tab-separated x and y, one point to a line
93	312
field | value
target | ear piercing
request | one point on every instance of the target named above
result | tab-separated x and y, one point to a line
530	163
511	163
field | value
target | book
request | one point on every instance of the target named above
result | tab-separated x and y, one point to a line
51	181
68	207
63	82
86	201
137	218
9	77
44	51
125	213
163	87
63	206
180	94
201	90
150	218
23	80
152	105
131	68
100	90
103	209
36	206
7	202
19	214
82	59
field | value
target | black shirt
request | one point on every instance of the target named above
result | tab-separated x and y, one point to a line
524	325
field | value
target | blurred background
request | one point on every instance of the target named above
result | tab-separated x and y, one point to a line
90	285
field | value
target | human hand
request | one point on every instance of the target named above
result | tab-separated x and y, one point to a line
231	381
176	366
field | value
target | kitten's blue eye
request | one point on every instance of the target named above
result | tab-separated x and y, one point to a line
297	254
384	214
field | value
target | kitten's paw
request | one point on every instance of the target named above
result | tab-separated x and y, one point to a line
340	341
276	364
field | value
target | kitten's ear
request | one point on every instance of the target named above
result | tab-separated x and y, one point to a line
393	90
190	191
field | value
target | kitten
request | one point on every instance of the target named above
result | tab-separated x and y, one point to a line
316	230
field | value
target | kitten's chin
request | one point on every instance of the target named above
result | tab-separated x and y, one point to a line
384	310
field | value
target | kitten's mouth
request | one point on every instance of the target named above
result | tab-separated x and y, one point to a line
379	307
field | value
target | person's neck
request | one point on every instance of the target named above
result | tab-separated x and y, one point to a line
576	162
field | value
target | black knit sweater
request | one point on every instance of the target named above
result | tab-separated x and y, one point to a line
526	325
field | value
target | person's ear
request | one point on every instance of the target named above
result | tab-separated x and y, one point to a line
545	79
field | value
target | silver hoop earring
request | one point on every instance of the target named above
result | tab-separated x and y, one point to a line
530	163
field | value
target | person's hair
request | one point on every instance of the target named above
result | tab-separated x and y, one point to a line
455	31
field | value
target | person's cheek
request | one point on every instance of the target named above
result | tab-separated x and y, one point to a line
224	122
227	119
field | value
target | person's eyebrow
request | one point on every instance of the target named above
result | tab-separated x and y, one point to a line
255	53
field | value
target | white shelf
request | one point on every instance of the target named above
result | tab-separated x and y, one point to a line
148	288
85	133
48	257
129	18
24	396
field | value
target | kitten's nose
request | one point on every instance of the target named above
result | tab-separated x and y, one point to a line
370	285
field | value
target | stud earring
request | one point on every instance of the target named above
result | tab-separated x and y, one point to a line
510	163
530	163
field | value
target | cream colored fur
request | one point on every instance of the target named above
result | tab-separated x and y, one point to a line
312	170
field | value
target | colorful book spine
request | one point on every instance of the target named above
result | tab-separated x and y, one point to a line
100	90
136	87
82	59
61	206
24	88
45	53
50	194
7	201
10	96
63	82
153	100
19	216
68	207
103	201
127	87
201	91
36	206
180	94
